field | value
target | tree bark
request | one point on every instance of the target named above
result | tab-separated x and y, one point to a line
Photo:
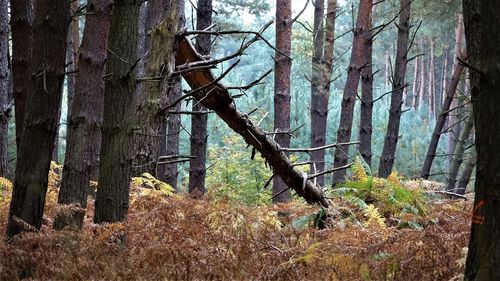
366	108
432	80
415	89
282	66
356	63
120	103
482	29
199	134
445	108
4	86
220	101
85	120
398	85
458	154
37	142
323	40
464	180
421	94
21	22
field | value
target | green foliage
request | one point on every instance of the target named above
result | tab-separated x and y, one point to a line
234	175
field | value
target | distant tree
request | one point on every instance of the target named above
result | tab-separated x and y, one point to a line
356	63
398	85
282	71
4	86
120	100
85	120
37	141
322	61
21	22
482	31
199	135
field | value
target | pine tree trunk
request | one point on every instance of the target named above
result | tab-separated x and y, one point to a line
283	66
37	142
463	182
421	94
431	92
351	87
398	85
415	89
436	135
199	134
120	103
366	108
458	154
4	86
173	133
85	120
482	28
21	21
320	83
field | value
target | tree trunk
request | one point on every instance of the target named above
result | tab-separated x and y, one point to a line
351	87
37	142
173	131
199	135
283	66
482	28
398	85
463	182
151	123
21	22
120	100
85	120
421	94
458	154
444	79
320	83
366	108
432	80
4	86
221	102
415	89
445	109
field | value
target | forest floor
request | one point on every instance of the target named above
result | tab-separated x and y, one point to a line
175	237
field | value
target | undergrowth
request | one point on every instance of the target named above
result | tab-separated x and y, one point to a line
171	237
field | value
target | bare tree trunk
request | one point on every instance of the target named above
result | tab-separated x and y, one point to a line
431	151
415	89
120	101
444	80
4	86
464	180
351	87
173	132
432	80
37	142
21	22
283	66
199	134
366	108
458	154
320	84
421	94
85	120
482	28
398	85
387	69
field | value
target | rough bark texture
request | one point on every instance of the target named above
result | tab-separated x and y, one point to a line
37	142
149	139
120	101
199	134
398	84
85	120
351	87
458	154
21	22
4	86
282	71
445	108
482	29
366	107
219	100
322	62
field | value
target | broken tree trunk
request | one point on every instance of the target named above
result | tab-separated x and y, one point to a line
215	97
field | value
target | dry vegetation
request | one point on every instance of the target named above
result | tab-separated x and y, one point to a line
176	237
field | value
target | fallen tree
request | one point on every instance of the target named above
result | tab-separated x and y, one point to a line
210	93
